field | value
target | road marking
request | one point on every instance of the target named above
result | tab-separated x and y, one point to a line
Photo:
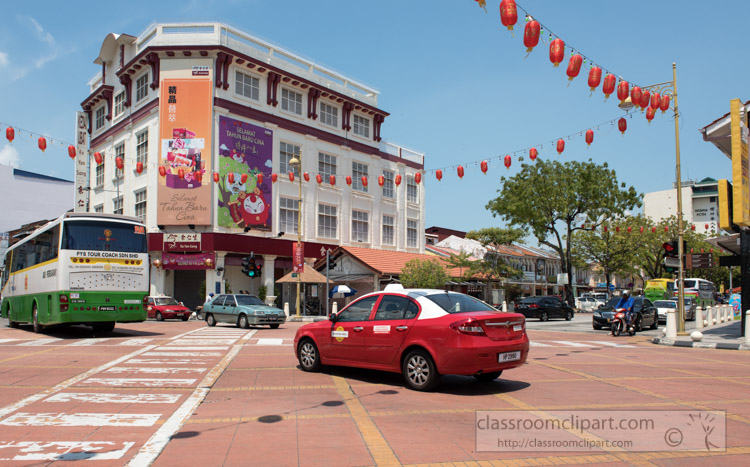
181	354
216	347
67	383
612	344
158	441
379	448
104	398
91	341
538	344
81	419
168	361
62	450
573	344
40	342
135	342
161	370
5	341
140	382
202	342
270	342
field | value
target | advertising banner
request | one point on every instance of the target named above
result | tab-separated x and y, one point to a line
740	166
298	258
245	149
82	163
185	112
188	260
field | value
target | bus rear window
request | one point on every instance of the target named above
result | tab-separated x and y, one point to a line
103	236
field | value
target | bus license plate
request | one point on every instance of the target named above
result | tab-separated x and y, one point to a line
509	356
107	308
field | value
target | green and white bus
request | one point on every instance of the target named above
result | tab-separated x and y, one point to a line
82	268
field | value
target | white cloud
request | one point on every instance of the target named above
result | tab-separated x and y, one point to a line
9	156
37	58
41	34
3	59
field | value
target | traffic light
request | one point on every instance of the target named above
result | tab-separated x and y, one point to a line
246	265
255	272
670	249
251	268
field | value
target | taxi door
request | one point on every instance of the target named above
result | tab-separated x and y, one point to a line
386	332
346	340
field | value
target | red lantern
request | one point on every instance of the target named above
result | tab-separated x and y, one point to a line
181	173
666	228
574	66
398	180
692	250
622	124
216	177
630	229
381	180
10	134
259	179
650	113
243	178
623	90
641	229
645	99
508	13
556	52
417	177
635	95
139	167
199	176
439	174
595	77
483	166
560	146
332	180
589	137
319	179
664	104
655	100
291	176
605	228
72	151
531	35
274	178
364	180
706	226
98	157
692	227
609	85
162	171
460	171
653	229
533	153
119	163
348	180
42	143
507	161
230	177
307	176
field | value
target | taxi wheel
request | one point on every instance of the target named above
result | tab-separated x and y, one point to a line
275	326
159	317
308	356
242	322
419	371
210	320
487	377
35	320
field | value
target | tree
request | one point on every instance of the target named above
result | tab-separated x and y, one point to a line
463	263
427	274
650	253
613	250
492	265
553	200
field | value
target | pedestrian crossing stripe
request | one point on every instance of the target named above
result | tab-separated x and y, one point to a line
80	419
63	450
580	344
106	398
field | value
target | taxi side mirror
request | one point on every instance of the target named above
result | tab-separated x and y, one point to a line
332	317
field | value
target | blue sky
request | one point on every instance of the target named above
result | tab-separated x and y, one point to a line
454	80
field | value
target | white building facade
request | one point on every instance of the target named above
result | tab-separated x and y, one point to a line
222	114
700	205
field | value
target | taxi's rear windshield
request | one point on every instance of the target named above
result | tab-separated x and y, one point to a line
458	303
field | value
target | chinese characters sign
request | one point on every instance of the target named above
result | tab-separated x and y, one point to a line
298	258
182	242
81	197
185	134
245	149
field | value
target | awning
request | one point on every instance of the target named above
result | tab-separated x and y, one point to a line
349	277
728	243
309	276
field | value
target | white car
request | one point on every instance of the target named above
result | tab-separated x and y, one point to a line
663	307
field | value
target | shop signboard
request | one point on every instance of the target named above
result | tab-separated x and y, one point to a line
188	260
740	164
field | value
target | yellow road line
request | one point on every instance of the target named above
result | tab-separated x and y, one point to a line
25	355
379	449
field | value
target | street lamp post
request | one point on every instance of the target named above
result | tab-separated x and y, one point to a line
298	162
670	87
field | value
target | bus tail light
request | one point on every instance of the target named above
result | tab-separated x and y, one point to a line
63	302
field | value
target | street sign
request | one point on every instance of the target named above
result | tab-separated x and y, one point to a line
611	287
672	262
699	260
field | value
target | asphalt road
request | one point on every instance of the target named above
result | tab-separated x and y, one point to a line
181	393
581	322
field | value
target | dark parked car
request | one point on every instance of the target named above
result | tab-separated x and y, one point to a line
544	308
645	314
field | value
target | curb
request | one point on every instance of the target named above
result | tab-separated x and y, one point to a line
699	345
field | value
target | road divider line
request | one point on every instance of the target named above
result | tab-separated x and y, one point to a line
158	441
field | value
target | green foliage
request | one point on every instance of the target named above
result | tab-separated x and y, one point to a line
427	274
463	263
552	200
512	292
202	290
493	265
262	291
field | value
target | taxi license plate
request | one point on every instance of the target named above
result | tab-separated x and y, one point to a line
509	356
107	308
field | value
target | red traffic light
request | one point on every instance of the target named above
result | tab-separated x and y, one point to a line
669	247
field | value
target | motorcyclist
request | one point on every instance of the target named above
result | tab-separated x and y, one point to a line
626	304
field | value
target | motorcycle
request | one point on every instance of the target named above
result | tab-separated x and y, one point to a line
619	325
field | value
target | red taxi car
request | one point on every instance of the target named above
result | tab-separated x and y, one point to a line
419	333
163	308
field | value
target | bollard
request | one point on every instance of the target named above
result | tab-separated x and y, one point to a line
715	315
707	313
286	309
505	306
699	317
724	314
671	324
747	327
334	308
